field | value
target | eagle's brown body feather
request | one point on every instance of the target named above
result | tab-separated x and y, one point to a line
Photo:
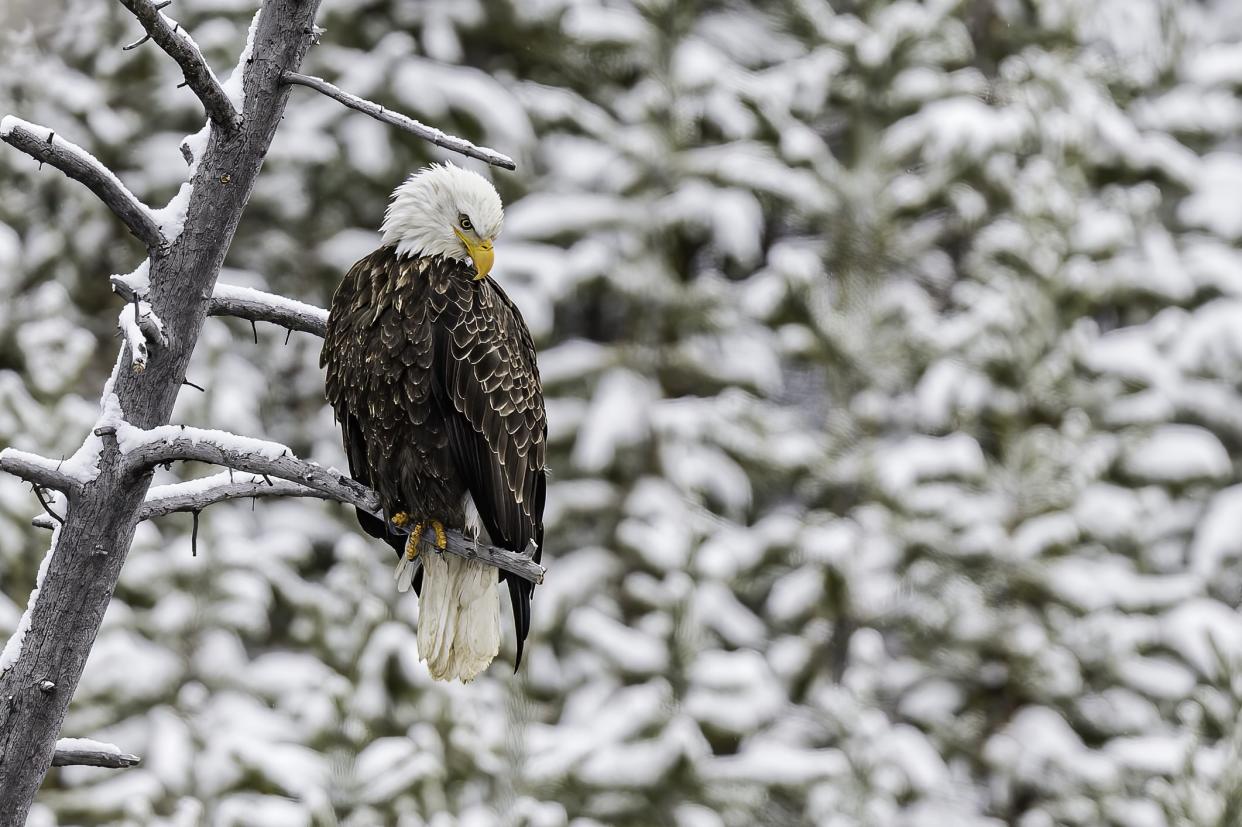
433	378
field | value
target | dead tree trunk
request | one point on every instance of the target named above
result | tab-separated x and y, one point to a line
106	483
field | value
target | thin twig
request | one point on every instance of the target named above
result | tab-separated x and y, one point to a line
194	532
45	146
181	48
427	133
136	43
38	492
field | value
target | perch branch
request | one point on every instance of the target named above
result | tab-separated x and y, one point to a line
147	449
45	146
170	37
38	470
400	121
257	306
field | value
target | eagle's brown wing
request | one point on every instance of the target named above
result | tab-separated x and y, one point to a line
348	352
499	432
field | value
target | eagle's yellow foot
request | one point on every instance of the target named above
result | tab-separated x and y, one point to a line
441	537
400	519
406	566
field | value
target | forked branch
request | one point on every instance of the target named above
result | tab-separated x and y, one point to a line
427	133
174	40
46	147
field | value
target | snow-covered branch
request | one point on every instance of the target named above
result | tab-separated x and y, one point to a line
45	146
41	471
174	40
400	121
257	306
87	753
144	450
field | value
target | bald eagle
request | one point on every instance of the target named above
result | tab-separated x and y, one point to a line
431	373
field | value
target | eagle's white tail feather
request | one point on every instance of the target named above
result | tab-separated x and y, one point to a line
458	617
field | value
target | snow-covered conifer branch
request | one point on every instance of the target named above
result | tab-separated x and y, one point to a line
146	449
41	471
45	146
174	40
400	121
257	306
83	752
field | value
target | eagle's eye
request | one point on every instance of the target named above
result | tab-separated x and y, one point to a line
465	223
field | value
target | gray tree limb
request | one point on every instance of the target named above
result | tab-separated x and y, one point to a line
93	758
46	147
257	306
91	546
170	37
427	133
38	470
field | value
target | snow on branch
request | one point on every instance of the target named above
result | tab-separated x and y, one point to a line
144	450
400	121
87	753
174	40
41	471
257	306
140	326
45	146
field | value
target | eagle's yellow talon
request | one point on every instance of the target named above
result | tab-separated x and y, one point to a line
441	537
400	519
411	545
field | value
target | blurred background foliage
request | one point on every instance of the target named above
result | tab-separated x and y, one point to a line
893	370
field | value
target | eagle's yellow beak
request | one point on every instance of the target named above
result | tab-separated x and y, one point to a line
481	253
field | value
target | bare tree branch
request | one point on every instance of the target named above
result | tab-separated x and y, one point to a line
174	40
257	306
172	444
427	133
43	472
93	758
45	146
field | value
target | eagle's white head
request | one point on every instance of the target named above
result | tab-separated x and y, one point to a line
447	211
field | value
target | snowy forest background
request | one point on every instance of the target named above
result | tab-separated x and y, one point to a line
893	354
